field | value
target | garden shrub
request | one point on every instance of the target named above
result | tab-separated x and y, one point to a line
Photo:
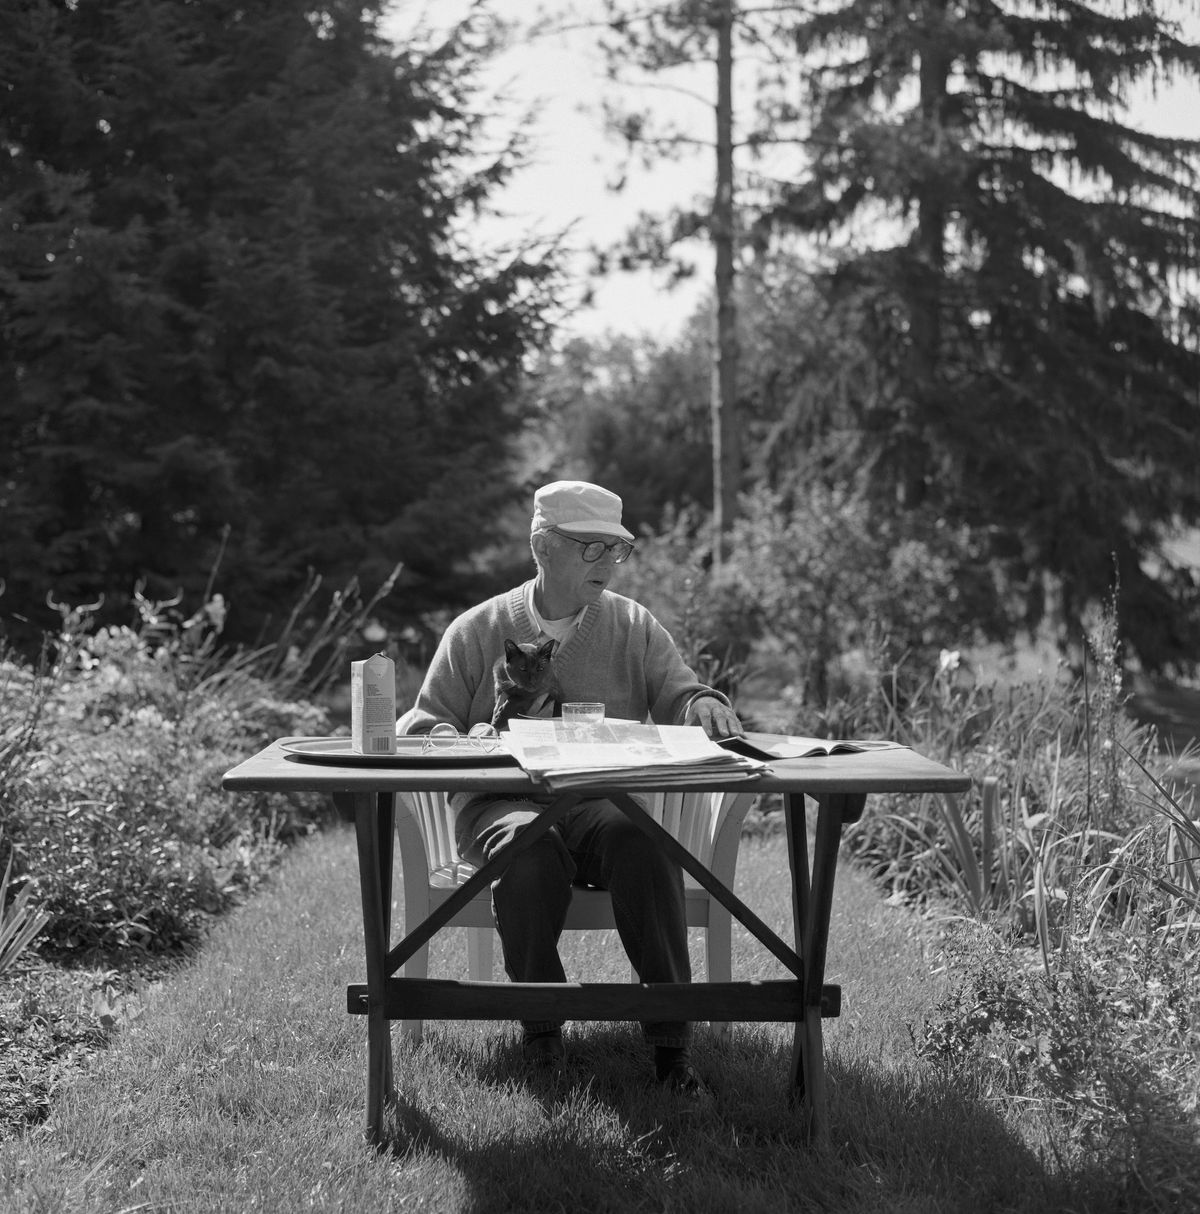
112	798
1073	776
807	581
1103	1041
713	618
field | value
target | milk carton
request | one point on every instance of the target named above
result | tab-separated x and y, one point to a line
373	706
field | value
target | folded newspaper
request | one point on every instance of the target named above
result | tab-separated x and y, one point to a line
621	753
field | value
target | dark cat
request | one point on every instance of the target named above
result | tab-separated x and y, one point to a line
522	677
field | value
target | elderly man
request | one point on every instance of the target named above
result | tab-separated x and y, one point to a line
608	649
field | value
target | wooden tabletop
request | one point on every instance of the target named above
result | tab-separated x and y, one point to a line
899	771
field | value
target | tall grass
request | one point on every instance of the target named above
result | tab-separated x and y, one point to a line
20	920
1063	778
1151	881
1071	872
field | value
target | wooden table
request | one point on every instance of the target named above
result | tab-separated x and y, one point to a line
839	784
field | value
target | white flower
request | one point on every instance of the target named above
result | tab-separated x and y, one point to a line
215	610
949	661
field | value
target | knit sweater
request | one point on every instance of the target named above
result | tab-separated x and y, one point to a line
619	654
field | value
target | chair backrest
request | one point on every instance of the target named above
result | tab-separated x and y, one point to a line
431	810
694	818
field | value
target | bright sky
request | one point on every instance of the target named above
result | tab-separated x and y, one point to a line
573	163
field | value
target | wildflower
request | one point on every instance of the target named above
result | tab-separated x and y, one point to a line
215	610
949	661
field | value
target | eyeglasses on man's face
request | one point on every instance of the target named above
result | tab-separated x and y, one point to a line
593	550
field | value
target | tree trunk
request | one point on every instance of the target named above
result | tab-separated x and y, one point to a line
925	290
726	460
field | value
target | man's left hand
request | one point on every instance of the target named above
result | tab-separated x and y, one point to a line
716	719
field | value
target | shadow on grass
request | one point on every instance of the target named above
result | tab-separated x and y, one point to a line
601	1135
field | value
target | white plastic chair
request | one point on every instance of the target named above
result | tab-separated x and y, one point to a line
708	824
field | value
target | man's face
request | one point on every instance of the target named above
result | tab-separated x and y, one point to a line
570	581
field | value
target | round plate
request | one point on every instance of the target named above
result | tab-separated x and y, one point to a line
410	752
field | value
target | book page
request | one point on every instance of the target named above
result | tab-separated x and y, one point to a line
796	746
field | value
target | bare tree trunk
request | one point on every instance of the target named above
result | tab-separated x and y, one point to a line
925	287
726	439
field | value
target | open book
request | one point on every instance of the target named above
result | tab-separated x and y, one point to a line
789	746
621	753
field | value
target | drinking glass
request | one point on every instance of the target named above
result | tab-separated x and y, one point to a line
583	713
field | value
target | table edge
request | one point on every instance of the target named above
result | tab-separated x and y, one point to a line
818	776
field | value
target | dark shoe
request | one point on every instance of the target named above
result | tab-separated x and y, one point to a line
545	1050
684	1080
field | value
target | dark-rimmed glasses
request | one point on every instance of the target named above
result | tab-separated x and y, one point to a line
593	550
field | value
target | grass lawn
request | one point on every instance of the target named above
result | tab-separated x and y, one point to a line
240	1086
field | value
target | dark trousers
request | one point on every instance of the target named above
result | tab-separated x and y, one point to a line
593	844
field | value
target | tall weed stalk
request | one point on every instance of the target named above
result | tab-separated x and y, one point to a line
20	920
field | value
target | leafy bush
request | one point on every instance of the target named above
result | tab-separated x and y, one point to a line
110	784
1103	1042
1064	786
713	621
1037	807
1071	876
811	580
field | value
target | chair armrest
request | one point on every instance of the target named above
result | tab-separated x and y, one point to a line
414	855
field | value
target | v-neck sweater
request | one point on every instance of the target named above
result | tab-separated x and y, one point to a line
619	654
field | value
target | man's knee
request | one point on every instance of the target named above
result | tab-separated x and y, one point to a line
629	849
540	874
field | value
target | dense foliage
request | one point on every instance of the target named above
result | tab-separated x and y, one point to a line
811	586
111	756
628	414
970	280
239	328
1035	324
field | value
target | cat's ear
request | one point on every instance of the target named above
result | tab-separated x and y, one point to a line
546	649
511	649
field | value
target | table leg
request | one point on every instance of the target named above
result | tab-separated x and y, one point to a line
812	902
800	1088
374	824
385	835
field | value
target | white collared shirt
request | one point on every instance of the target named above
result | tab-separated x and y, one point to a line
556	630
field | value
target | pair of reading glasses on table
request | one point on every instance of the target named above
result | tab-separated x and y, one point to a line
482	737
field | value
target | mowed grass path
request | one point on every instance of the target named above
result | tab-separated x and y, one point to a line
241	1087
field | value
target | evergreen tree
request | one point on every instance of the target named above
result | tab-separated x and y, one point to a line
1008	313
233	301
1033	319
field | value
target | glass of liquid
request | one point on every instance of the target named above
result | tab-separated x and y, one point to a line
583	713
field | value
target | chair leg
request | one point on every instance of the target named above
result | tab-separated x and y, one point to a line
479	954
718	954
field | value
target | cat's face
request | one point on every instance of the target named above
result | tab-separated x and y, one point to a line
528	662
